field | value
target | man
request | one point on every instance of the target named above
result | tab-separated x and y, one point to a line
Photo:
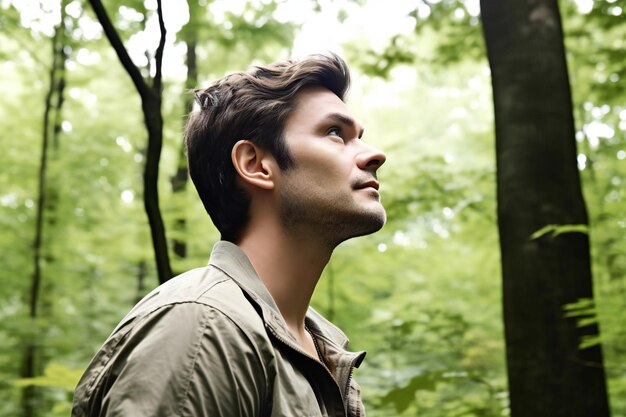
278	161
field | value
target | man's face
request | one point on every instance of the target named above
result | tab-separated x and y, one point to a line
332	188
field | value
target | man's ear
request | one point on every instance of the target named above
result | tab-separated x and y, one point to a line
253	164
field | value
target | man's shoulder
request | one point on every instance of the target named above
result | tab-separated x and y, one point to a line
200	288
168	343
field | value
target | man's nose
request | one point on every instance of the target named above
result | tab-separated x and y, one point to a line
371	158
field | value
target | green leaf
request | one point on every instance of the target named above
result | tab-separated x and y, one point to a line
55	375
559	229
589	341
579	304
588	321
402	397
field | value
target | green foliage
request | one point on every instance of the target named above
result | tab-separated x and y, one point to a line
554	230
597	63
55	375
446	32
380	64
422	296
403	397
584	311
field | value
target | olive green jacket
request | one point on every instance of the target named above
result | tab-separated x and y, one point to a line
211	342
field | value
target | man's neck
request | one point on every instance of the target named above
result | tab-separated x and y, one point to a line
289	267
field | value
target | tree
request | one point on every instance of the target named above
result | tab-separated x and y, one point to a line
538	185
180	179
51	128
151	99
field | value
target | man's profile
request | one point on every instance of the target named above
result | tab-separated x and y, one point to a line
279	163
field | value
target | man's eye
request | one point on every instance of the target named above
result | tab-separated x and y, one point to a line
334	131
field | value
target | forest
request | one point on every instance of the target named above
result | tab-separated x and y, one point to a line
497	286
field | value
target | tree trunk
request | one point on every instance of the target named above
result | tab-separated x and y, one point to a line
151	106
538	184
180	179
154	123
57	84
141	280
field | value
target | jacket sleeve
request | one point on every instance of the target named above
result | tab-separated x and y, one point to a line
185	359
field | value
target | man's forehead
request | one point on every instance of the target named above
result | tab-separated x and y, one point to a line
323	105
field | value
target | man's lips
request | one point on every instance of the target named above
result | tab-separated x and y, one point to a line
373	184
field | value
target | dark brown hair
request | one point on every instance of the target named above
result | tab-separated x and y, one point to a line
251	105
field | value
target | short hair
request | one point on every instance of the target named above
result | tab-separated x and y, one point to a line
252	105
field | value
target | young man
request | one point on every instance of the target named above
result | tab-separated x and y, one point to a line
278	161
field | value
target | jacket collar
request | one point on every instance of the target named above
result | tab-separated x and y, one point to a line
229	258
233	261
332	342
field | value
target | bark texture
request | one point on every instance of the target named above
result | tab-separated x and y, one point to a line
538	184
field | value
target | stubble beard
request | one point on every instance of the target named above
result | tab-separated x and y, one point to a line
327	220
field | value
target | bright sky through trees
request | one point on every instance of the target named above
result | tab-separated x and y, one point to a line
374	23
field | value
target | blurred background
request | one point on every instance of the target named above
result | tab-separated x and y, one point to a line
90	132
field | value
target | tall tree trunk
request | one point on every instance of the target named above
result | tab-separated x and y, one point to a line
60	89
56	85
538	184
53	195
180	179
151	105
141	280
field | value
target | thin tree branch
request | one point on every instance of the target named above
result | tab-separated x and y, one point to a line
159	52
151	106
140	84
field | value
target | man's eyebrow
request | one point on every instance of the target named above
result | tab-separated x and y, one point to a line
345	120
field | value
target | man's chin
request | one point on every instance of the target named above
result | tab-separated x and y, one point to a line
377	223
370	222
355	225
